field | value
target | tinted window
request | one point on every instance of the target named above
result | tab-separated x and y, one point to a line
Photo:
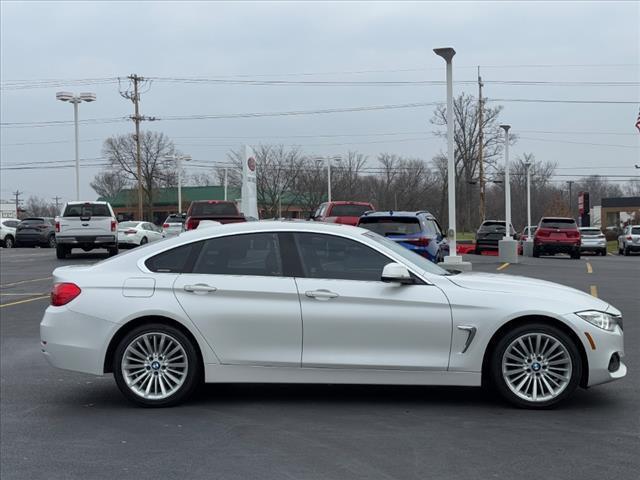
635	231
493	226
391	225
251	254
558	223
11	223
32	221
417	260
349	210
174	219
590	231
202	209
172	261
87	210
326	256
432	227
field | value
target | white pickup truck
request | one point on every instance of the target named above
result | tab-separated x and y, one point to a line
86	225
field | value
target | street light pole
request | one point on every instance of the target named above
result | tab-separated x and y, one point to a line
226	182
178	159
76	100
507	183
328	179
528	165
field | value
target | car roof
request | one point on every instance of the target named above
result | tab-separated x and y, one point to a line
557	218
394	213
85	202
348	202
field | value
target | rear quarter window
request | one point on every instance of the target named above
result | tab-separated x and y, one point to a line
176	260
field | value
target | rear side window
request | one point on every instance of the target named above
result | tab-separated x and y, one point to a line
213	209
635	231
348	210
32	221
330	257
558	223
87	210
386	226
255	254
11	223
176	260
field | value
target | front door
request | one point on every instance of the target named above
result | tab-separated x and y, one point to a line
240	301
351	319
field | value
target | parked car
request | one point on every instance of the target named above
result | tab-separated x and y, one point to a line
629	241
228	304
8	232
222	211
36	231
419	231
593	240
490	233
174	224
557	235
524	236
134	234
347	213
86	225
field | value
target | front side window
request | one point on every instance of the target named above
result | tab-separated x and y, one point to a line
256	254
330	257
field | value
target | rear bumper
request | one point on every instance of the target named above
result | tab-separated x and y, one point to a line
31	239
487	244
79	241
633	247
558	247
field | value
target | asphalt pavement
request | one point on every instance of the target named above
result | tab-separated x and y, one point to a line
63	425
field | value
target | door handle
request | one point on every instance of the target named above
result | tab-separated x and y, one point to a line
321	294
199	288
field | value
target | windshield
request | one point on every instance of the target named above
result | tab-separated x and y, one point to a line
349	210
493	226
214	209
174	219
391	225
558	223
413	258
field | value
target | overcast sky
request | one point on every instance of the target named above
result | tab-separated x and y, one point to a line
517	41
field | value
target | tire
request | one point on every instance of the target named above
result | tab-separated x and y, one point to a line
536	251
113	251
626	251
183	379
8	242
603	252
143	241
478	251
506	376
575	254
61	252
51	241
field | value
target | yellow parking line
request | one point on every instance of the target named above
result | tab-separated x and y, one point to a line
21	294
25	281
594	291
23	301
503	266
589	268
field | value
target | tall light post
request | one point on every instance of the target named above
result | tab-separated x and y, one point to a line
329	160
76	100
508	246
527	246
179	159
453	258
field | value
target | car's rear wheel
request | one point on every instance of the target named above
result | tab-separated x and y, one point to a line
62	252
51	241
536	251
478	251
626	251
575	254
113	251
536	366
143	241
8	241
156	365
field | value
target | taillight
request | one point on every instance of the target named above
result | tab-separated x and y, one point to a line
130	232
572	234
165	225
419	242
629	237
191	223
114	225
63	293
542	233
41	227
57	227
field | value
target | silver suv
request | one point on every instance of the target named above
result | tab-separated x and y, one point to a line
593	240
629	241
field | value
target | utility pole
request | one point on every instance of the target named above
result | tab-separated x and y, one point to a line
226	182
481	147
137	82
570	183
17	194
57	200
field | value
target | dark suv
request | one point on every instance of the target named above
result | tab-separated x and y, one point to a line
420	232
222	211
557	235
34	231
490	233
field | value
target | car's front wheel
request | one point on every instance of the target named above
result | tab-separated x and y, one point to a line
536	366
156	365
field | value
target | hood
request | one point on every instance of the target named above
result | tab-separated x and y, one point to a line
574	299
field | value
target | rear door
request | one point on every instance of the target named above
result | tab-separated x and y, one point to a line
88	219
240	300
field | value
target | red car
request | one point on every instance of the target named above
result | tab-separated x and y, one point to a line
347	213
557	235
219	210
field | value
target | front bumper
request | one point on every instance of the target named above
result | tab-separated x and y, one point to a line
606	345
73	341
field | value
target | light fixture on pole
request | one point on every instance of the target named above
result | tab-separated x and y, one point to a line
76	100
508	246
453	259
527	247
329	160
179	159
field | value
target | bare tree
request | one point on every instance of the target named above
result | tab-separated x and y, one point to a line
38	207
109	183
632	188
156	170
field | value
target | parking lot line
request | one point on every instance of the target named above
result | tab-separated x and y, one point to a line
503	266
594	291
25	281
589	268
21	294
23	301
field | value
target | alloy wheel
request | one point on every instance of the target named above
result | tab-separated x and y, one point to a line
536	367
154	365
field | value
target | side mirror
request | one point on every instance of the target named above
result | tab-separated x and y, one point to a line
396	273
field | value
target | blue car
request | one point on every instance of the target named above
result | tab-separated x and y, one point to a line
420	232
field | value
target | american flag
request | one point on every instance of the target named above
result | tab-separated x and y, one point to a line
638	121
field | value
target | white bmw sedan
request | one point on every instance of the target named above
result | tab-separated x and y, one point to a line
306	302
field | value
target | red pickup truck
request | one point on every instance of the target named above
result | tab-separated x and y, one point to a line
347	213
218	210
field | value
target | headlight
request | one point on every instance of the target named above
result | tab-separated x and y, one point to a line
601	320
